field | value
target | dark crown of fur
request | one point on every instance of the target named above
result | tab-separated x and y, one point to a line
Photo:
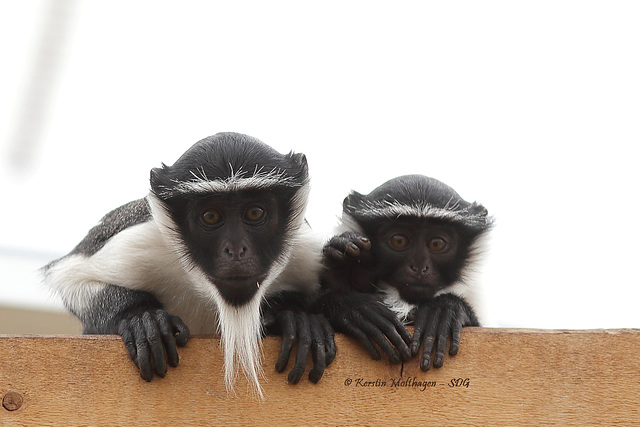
228	162
416	196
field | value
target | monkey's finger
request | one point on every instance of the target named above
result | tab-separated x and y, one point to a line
377	336
127	337
317	349
333	254
397	324
348	328
329	339
363	243
352	250
388	329
304	342
419	325
168	340
429	338
456	329
180	330
288	327
443	334
154	339
143	359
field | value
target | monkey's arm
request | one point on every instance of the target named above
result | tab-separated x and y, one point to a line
286	314
438	321
365	318
350	304
84	280
149	333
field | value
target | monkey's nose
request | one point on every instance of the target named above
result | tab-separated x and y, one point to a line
235	251
422	270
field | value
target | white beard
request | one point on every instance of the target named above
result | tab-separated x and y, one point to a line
241	340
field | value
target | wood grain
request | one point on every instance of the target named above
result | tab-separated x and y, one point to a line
500	376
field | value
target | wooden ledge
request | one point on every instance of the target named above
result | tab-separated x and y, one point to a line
500	376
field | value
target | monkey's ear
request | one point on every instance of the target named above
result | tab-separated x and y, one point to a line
482	218
478	209
158	178
298	159
353	202
299	167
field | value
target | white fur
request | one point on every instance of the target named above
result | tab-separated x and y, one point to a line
236	182
135	258
395	209
151	257
303	267
240	333
392	299
240	327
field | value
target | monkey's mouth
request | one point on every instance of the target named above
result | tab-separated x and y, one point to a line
238	290
238	278
415	292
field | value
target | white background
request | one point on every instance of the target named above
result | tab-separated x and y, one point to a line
531	108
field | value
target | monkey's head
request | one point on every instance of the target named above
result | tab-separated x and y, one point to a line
422	233
231	205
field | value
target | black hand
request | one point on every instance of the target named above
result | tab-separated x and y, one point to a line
436	322
348	263
151	337
323	346
346	248
365	318
311	332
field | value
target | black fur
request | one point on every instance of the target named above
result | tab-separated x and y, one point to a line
413	235
128	215
235	254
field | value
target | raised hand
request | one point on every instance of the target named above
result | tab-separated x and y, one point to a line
348	263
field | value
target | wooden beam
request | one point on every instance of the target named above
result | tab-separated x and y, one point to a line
507	377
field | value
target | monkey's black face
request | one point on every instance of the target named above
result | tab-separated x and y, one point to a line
234	238
418	257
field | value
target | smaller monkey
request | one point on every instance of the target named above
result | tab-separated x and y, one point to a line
404	255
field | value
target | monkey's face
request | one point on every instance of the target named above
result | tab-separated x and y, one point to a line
418	257
234	238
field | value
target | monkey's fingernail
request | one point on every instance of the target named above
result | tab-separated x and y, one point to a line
294	376
280	365
314	376
414	349
438	361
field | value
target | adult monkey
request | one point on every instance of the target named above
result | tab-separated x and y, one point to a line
220	240
404	256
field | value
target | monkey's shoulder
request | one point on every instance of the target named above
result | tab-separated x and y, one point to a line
119	219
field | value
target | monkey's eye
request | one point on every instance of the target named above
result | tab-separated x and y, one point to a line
254	213
399	241
437	244
211	217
